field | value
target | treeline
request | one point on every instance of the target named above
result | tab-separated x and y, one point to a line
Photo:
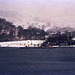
9	32
60	38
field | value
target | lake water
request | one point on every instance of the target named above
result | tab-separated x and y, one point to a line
37	61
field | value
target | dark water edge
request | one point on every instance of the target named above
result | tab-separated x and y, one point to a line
37	61
66	72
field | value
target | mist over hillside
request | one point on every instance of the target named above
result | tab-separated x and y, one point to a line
12	16
18	19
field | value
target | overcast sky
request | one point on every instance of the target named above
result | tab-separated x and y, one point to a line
60	12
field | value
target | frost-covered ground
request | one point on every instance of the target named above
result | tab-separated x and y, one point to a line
28	43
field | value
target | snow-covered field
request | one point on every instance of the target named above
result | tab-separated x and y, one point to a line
25	43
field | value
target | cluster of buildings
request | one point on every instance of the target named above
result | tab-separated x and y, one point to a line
59	39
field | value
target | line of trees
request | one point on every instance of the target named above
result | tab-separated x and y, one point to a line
9	32
60	39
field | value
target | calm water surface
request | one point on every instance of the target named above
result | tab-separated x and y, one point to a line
37	61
